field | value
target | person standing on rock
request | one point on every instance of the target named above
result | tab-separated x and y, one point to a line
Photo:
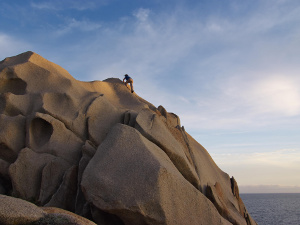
128	80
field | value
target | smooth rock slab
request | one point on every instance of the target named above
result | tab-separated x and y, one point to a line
52	177
17	211
135	180
155	130
26	173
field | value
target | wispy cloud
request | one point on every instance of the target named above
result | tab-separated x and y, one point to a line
142	14
67	4
77	25
44	5
287	158
261	167
217	72
11	46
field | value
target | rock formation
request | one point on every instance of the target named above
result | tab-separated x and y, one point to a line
97	150
17	211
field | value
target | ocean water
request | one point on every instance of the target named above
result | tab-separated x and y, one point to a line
273	209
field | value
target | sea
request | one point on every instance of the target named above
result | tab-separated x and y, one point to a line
273	209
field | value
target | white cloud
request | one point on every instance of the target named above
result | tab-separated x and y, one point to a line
278	94
264	94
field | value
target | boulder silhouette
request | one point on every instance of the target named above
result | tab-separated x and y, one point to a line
97	150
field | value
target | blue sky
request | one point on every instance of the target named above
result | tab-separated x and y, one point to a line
229	68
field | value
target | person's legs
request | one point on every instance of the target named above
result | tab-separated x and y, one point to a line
131	85
130	81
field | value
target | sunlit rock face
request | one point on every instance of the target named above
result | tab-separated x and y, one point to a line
98	150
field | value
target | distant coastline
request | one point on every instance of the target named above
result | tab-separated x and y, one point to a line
264	189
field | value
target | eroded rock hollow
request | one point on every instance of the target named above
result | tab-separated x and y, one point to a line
97	150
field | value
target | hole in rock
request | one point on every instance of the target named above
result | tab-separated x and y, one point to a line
6	184
40	132
7	154
15	85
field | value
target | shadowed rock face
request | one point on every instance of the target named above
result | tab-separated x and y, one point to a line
98	150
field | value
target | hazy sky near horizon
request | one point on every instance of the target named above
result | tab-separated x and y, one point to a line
230	69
